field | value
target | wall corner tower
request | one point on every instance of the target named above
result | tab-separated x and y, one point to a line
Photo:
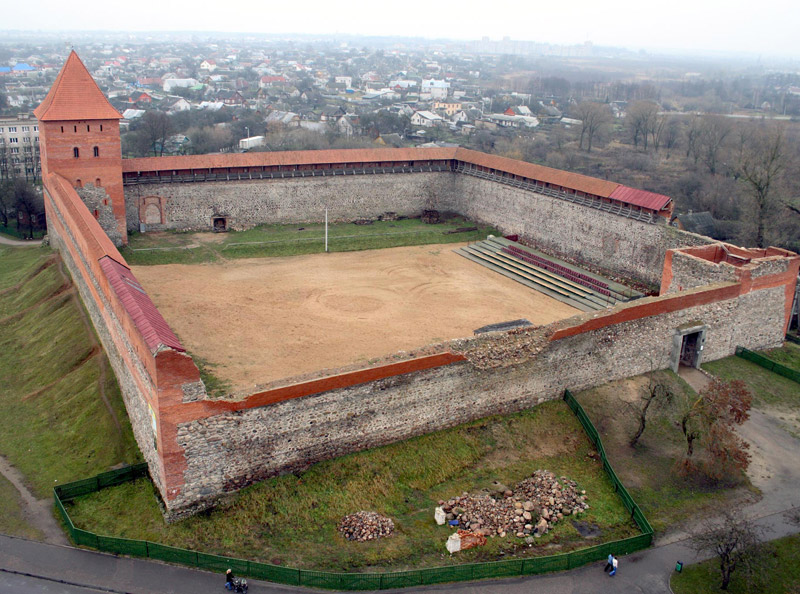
80	141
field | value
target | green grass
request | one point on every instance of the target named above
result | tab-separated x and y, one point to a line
56	427
783	576
768	388
648	469
788	355
12	519
291	520
290	240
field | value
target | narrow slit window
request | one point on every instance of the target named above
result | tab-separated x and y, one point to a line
74	128
101	127
96	151
76	152
62	129
87	128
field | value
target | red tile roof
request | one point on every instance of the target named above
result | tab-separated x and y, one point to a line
75	96
137	303
259	159
554	177
641	198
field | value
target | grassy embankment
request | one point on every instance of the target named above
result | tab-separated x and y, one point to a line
292	519
58	424
783	576
289	240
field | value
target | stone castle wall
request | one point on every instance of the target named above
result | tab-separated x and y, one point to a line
611	242
72	233
620	245
204	448
291	200
503	372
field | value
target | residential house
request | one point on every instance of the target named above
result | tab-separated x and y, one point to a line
434	89
449	107
426	119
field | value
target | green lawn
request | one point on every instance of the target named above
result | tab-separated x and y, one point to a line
291	520
288	240
768	388
783	577
648	469
56	428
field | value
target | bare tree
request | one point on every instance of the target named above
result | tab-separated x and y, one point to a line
156	127
714	131
713	415
762	161
640	119
6	201
594	117
27	202
671	135
736	543
656	394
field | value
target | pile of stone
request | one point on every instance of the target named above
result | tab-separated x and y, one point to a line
363	526
530	509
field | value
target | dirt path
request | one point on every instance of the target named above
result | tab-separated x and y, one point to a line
38	512
17	243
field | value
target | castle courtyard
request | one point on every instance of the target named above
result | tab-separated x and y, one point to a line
258	321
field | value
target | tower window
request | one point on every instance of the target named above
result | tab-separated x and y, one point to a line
97	185
87	128
78	183
96	151
74	128
62	129
101	127
76	152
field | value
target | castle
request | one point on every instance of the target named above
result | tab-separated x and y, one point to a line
713	296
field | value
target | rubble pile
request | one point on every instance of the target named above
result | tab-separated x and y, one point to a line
535	504
363	526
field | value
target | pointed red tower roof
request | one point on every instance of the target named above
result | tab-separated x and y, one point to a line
75	96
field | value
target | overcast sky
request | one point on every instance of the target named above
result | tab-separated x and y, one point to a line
760	27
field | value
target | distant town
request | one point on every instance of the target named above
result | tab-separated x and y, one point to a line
605	112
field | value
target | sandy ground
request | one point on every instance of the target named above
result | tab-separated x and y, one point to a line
260	320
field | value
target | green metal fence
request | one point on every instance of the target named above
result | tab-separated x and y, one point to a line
769	364
355	581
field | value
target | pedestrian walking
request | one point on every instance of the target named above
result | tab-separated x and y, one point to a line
614	568
609	563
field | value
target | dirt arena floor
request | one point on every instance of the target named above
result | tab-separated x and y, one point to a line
260	320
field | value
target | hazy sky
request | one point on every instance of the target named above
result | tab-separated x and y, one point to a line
768	27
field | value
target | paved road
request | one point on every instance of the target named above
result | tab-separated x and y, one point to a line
54	566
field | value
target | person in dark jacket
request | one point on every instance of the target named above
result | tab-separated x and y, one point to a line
229	580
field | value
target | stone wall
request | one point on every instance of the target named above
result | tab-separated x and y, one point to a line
610	242
690	271
291	200
136	378
504	372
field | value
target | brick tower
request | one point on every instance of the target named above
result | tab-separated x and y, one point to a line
79	140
